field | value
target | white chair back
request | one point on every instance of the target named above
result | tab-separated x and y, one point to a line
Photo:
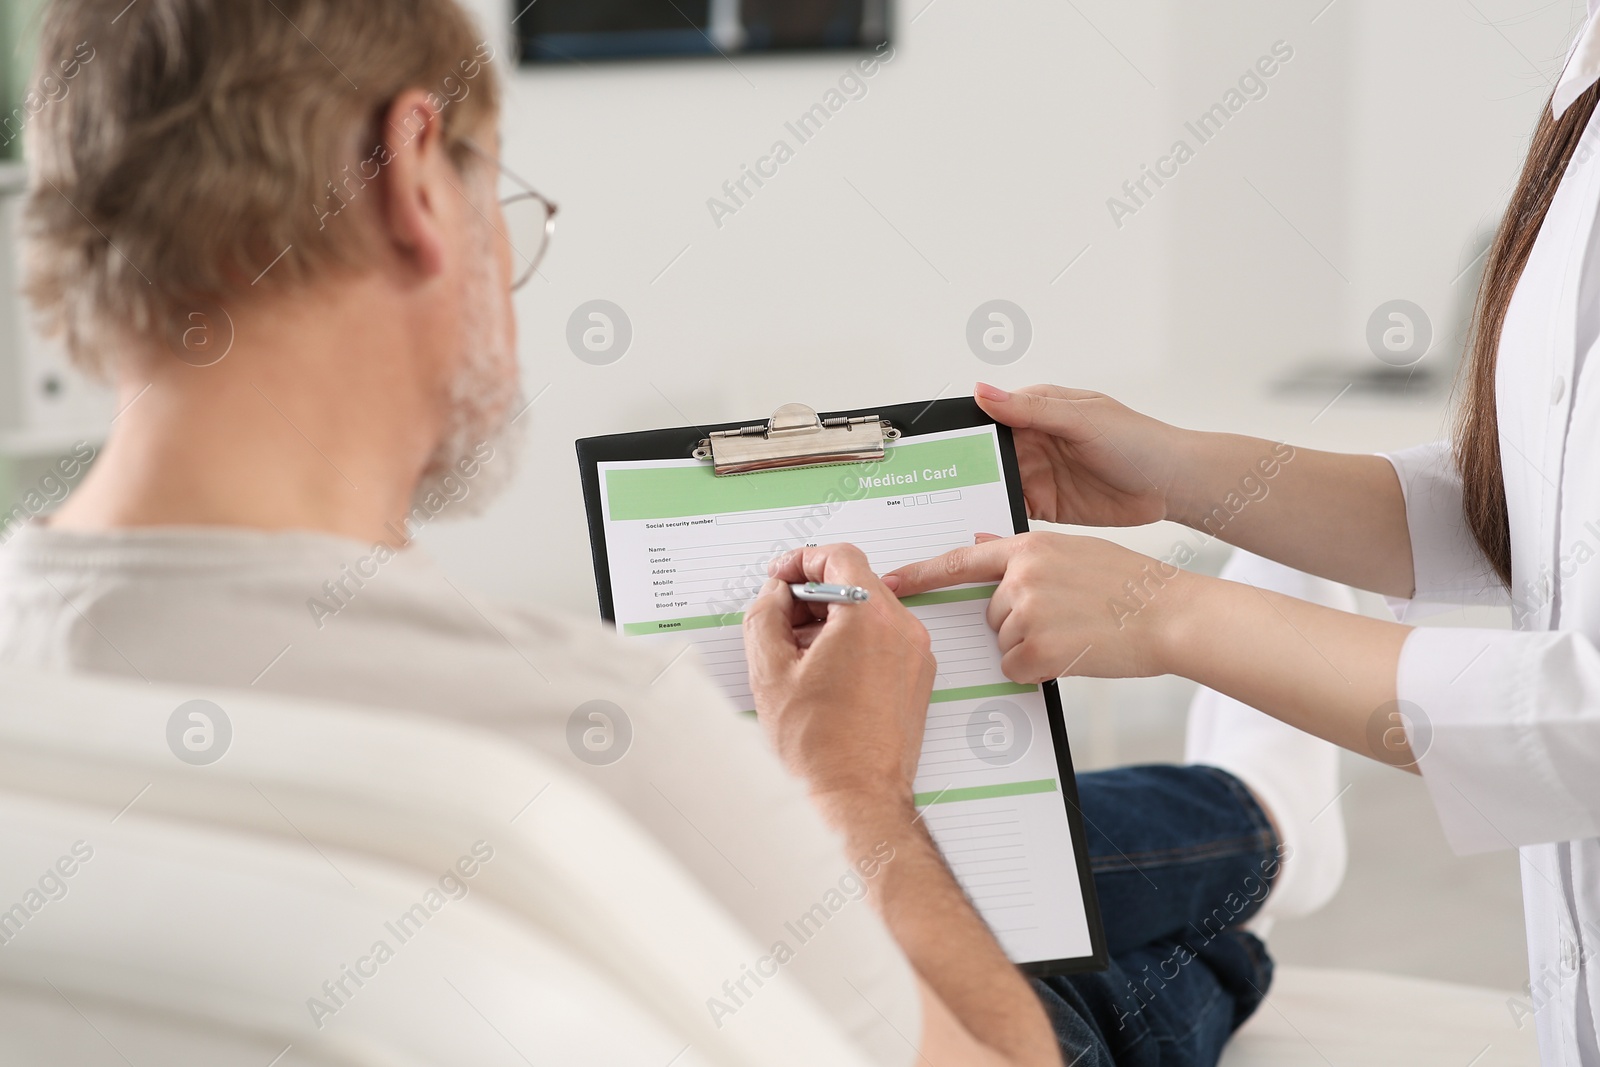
345	887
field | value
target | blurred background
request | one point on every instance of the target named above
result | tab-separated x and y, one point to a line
997	154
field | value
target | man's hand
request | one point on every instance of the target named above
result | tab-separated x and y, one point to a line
1064	604
842	689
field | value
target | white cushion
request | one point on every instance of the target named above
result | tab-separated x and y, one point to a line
1328	1018
211	903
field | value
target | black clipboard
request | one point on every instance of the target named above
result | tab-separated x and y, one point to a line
898	422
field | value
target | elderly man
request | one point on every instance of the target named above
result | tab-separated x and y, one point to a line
275	225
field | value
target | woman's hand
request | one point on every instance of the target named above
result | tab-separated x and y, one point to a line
1065	605
1086	459
842	689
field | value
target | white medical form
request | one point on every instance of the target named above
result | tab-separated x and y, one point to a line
681	551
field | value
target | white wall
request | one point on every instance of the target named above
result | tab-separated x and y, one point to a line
977	166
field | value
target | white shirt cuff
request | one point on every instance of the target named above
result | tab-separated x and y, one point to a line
1507	728
1447	565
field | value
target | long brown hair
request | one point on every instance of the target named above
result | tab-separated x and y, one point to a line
1477	425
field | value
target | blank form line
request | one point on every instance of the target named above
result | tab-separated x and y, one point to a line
722	552
874	529
763	556
979	825
990	848
950	818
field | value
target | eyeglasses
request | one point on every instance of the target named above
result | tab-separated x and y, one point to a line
530	218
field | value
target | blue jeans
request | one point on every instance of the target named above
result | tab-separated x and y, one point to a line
1182	856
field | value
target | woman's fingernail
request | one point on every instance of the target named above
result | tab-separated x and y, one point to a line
892	581
991	392
984	538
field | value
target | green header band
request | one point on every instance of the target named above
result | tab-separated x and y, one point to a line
949	596
735	618
971	692
985	792
978	692
918	467
672	626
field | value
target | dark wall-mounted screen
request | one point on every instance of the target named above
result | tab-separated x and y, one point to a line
564	31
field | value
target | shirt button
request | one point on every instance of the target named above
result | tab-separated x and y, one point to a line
1558	389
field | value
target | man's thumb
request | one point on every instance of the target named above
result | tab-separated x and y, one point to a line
769	637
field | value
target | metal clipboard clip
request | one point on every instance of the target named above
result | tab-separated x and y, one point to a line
796	436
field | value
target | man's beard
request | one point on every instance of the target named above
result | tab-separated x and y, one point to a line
484	402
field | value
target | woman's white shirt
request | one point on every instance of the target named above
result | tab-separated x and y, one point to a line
1508	722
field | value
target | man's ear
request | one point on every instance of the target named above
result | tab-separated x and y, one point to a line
416	182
